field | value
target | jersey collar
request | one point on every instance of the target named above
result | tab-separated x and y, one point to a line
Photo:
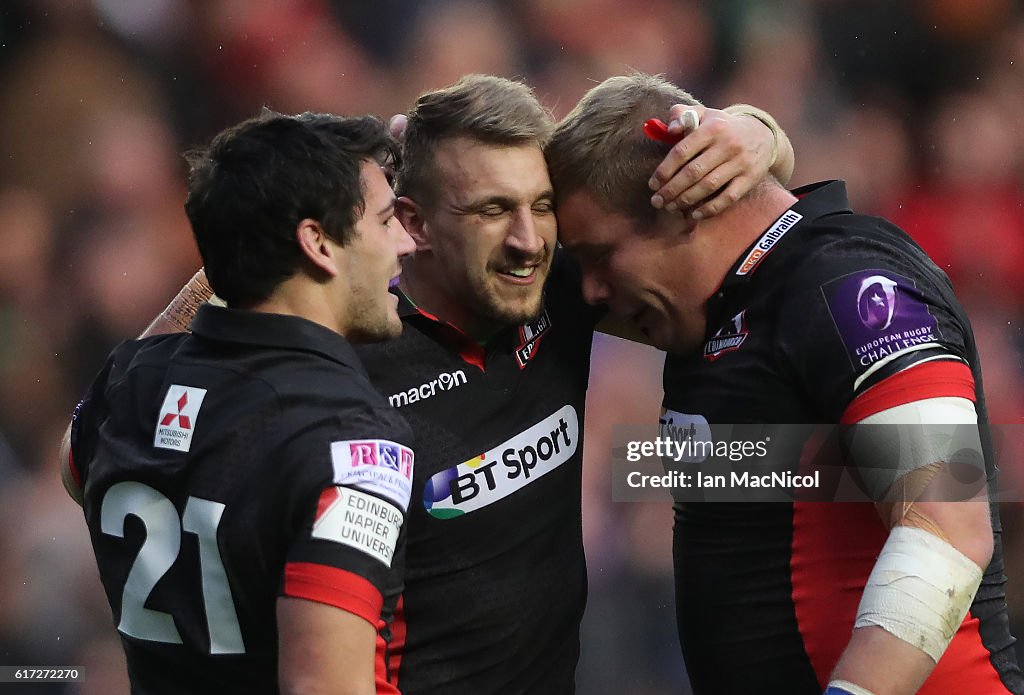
816	200
471	351
273	330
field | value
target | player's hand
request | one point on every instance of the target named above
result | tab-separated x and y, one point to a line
713	166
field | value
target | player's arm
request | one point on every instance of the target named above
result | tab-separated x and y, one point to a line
175	318
926	577
67	472
177	315
922	587
324	649
720	161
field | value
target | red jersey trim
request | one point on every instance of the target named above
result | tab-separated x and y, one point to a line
470	351
335	587
828	580
939	379
387	670
966	666
74	470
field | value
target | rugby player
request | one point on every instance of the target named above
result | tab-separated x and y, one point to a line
244	485
790	308
491	371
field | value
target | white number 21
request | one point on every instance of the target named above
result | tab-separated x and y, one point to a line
159	551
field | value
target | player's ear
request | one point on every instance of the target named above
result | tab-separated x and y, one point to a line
410	214
316	246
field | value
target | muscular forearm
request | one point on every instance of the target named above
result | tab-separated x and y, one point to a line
901	638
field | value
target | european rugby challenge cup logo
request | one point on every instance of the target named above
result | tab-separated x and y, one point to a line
876	302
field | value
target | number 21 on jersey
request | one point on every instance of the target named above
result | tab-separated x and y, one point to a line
159	551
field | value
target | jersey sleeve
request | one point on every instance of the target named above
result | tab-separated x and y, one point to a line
877	341
91	411
865	328
353	480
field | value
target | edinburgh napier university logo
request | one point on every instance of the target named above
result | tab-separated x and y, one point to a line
768	240
728	337
529	338
177	419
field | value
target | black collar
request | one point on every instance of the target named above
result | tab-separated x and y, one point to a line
273	330
781	238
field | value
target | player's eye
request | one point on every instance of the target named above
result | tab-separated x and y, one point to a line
491	211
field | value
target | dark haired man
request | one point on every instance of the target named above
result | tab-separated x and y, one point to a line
244	486
790	308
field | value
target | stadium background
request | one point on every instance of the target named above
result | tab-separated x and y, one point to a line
918	105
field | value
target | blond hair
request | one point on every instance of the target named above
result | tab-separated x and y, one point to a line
600	146
493	110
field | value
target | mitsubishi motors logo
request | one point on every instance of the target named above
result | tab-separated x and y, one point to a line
178	417
182	418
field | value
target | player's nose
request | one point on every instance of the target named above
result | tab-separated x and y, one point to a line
523	234
595	289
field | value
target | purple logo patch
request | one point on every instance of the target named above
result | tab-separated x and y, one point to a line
876	302
879	313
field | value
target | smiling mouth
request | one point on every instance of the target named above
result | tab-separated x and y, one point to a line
523	275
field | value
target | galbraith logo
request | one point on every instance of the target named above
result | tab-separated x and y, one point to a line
506	468
768	241
445	381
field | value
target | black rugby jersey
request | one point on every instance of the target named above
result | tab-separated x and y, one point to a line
829	317
224	468
495	574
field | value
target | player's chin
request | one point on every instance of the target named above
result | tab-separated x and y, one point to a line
392	327
674	341
522	310
387	327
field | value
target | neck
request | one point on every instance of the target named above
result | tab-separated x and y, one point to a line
300	296
422	283
729	234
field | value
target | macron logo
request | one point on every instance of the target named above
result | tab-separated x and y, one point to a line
177	418
445	381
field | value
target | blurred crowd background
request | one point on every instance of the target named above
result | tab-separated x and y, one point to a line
919	105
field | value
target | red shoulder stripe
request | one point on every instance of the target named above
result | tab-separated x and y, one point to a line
938	379
335	587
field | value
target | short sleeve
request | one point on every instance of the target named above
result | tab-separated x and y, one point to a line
350	483
92	411
868	325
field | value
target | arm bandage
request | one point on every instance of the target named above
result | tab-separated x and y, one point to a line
919	590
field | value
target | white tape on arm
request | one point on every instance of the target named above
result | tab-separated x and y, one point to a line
919	590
